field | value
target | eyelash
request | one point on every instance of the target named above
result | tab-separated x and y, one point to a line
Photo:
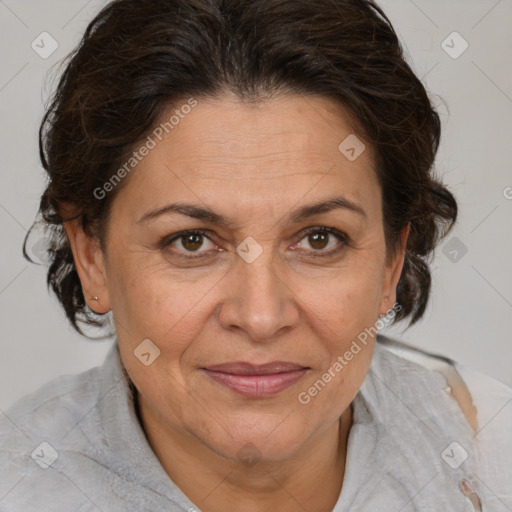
342	237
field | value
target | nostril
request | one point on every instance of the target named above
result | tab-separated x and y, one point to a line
468	491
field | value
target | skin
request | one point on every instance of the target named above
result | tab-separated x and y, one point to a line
253	164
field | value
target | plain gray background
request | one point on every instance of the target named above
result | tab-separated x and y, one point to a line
470	313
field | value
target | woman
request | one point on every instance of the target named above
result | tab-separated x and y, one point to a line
248	188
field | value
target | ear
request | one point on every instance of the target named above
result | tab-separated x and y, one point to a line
392	273
90	265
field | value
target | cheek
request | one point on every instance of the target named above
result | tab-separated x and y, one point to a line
152	301
345	312
348	302
329	392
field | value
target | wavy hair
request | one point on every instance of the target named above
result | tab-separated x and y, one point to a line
138	57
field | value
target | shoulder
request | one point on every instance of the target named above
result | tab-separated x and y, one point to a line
59	405
469	413
54	405
40	427
476	394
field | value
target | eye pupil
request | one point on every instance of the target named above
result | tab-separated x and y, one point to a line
318	238
192	242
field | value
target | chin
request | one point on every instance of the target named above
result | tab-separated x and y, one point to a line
268	441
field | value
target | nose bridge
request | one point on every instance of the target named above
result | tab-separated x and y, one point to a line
259	280
258	302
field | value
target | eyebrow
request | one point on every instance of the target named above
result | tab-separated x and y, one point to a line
299	215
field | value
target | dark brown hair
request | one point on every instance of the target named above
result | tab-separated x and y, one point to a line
139	57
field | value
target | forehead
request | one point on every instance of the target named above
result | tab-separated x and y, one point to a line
286	127
231	154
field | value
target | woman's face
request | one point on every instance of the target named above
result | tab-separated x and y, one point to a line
253	286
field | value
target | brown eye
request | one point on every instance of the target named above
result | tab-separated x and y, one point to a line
323	241
318	240
191	242
188	242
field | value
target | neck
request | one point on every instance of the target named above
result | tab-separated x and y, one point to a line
310	480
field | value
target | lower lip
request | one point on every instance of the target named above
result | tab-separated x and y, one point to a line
257	386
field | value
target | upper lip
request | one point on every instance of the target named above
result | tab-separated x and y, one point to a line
244	368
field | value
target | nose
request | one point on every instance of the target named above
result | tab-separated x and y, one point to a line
258	300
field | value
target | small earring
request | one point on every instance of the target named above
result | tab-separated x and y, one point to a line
94	297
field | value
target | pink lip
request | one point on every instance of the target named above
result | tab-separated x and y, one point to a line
256	381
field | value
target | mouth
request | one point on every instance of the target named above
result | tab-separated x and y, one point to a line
256	381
